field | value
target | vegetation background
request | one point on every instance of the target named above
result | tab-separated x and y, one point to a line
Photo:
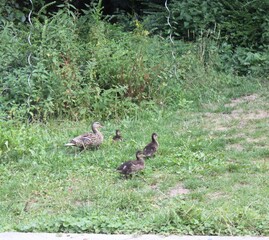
134	65
85	63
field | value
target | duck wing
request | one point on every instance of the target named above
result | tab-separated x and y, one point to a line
117	138
77	141
91	139
86	139
79	138
137	165
150	149
126	167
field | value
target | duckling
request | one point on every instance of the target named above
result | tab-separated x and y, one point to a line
118	136
129	167
88	140
152	147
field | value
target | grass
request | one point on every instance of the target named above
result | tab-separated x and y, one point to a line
214	160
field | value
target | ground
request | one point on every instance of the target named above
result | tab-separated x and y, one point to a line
209	176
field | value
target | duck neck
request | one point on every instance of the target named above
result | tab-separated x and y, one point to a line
140	159
95	130
154	140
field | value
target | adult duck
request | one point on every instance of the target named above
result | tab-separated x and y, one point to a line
88	140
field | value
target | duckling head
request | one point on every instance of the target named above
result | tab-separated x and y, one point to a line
140	155
118	132
154	136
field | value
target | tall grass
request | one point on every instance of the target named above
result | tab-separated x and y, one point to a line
83	66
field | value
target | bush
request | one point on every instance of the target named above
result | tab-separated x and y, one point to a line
62	80
240	29
82	67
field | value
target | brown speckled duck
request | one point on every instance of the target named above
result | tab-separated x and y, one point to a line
88	140
132	166
118	136
152	147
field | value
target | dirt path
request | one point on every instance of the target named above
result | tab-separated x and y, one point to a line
54	236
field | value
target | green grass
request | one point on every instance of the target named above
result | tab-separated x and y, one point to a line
220	157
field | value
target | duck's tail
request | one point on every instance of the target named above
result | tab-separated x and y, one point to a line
70	144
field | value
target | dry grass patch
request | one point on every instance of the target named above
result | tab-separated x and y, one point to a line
235	147
216	195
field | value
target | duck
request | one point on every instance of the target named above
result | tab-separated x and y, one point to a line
118	136
151	148
88	140
132	166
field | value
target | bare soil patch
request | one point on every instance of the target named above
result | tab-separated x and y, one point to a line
179	189
244	99
222	122
243	120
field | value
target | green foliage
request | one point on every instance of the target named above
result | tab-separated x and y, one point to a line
243	61
11	10
18	142
240	28
80	67
239	23
246	24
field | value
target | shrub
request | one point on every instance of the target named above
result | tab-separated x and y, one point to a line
77	73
